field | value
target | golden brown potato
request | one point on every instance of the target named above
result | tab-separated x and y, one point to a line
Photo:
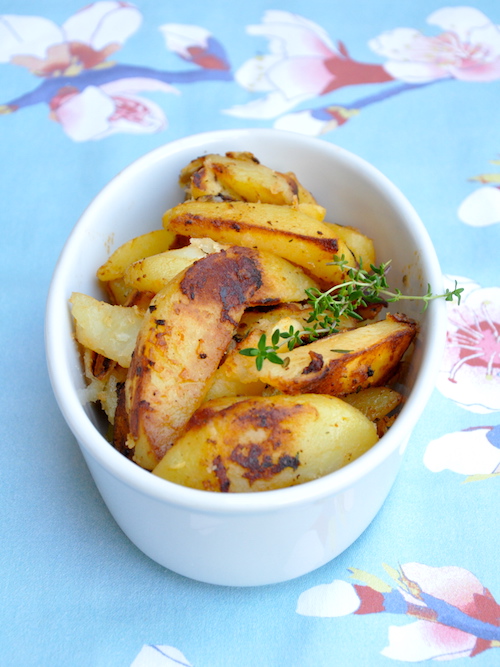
375	402
238	369
241	177
264	443
312	210
244	180
183	338
258	321
151	243
109	330
304	196
222	386
282	230
360	245
285	317
306	202
236	386
154	272
118	292
283	281
188	171
338	364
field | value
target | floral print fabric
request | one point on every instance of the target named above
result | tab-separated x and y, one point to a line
412	88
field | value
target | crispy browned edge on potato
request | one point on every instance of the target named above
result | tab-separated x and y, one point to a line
184	336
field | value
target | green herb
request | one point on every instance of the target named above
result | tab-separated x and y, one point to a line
264	351
360	289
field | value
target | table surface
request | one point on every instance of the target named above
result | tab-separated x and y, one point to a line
411	87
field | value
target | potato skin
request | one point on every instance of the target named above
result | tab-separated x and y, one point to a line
242	179
282	230
265	443
239	176
184	335
282	281
371	360
338	364
239	368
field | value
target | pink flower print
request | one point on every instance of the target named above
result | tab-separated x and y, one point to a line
91	98
27	37
84	41
99	111
303	63
101	24
470	373
196	45
468	48
456	616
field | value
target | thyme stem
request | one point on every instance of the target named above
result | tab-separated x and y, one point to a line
362	289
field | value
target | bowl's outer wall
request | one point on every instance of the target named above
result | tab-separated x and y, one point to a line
260	548
254	538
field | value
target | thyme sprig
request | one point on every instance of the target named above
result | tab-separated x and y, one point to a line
361	289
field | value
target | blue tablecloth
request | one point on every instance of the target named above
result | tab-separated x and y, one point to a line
413	88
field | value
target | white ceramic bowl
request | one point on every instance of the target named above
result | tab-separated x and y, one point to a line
252	538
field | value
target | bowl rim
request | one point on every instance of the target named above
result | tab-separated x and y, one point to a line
91	441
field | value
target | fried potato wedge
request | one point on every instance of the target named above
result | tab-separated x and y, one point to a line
183	338
360	245
375	402
118	292
237	367
264	443
304	195
285	317
241	177
187	172
154	272
252	325
282	230
306	201
312	210
283	281
338	364
151	243
221	386
109	330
